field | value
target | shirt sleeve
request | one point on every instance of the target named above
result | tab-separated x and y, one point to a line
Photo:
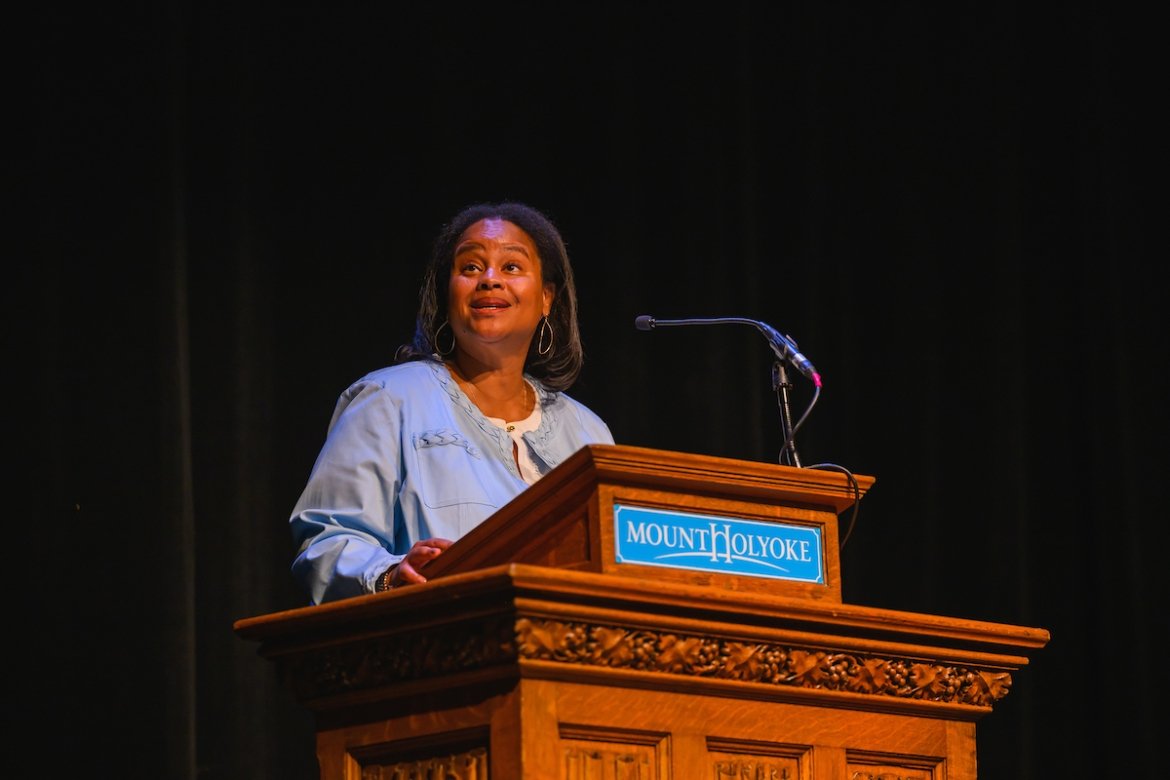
345	520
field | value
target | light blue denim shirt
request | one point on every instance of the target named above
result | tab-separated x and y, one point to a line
408	456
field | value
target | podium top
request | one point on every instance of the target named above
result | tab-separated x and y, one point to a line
616	509
727	476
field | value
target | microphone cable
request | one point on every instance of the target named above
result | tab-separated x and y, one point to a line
856	497
788	448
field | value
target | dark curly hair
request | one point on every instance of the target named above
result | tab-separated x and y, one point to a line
559	368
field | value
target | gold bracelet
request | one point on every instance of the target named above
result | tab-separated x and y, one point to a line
383	583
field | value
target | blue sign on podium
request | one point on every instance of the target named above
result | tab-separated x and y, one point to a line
724	545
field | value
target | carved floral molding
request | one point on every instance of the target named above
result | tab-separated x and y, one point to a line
499	641
698	656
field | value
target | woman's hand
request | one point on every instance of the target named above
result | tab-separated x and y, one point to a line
422	551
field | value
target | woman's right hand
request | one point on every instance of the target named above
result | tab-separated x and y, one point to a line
422	551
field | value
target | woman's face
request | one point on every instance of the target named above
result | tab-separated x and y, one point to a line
496	294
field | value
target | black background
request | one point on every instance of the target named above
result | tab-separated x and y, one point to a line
227	211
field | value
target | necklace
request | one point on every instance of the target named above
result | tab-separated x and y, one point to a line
473	390
527	389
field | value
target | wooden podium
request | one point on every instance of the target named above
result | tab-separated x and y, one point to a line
537	650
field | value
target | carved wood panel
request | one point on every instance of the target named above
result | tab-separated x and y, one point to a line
583	762
887	767
469	765
889	773
735	759
751	768
591	753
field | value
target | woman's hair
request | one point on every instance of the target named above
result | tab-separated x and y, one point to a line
556	370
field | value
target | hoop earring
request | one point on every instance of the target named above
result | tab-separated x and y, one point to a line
545	329
435	341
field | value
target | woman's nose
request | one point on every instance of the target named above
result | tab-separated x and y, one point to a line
489	278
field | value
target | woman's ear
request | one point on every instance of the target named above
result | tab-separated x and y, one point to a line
550	292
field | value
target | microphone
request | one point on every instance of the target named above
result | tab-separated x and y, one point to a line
784	347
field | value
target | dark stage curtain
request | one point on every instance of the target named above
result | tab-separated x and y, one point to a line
228	208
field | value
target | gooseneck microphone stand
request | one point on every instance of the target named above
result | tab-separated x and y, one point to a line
786	351
781	386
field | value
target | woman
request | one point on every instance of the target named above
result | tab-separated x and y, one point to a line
472	413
